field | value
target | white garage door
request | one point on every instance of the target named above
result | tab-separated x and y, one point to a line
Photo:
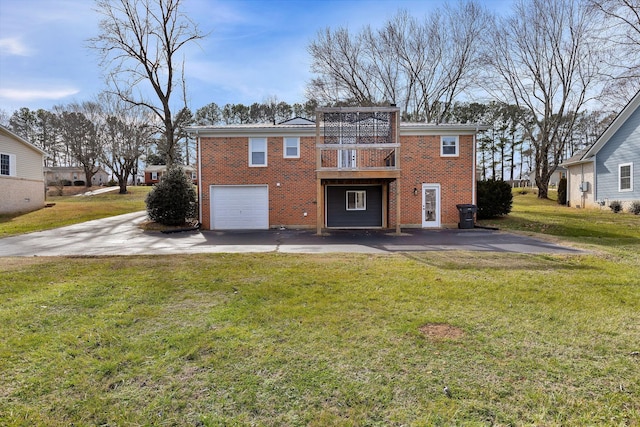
239	207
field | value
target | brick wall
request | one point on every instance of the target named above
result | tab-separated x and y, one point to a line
225	162
420	162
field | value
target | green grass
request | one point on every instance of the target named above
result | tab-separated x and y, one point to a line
591	228
72	210
321	340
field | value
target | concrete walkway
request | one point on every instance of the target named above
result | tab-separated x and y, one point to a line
120	235
98	191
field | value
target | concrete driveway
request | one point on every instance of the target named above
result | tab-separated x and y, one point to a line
120	235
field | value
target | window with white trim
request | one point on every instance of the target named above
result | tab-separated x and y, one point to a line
449	146
356	200
257	152
7	164
625	177
291	148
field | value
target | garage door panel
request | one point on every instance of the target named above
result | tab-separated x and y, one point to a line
239	207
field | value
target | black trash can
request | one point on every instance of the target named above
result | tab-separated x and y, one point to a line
466	215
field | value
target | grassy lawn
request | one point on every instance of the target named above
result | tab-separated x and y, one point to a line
72	210
321	340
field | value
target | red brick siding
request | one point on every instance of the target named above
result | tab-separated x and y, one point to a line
225	161
420	162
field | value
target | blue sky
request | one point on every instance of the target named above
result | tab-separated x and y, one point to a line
255	48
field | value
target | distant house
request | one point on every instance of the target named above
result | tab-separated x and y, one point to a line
21	177
153	173
555	178
610	169
70	175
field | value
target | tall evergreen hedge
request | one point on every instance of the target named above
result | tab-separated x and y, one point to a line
494	199
172	201
562	191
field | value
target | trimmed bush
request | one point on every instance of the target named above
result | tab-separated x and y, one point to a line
562	191
78	183
615	206
173	200
494	199
635	208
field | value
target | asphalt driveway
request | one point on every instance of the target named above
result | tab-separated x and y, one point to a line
120	235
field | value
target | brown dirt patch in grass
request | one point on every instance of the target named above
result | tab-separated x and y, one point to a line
441	331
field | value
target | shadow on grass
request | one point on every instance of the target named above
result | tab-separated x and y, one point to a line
500	262
566	229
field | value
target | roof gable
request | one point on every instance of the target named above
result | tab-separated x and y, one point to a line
18	138
617	123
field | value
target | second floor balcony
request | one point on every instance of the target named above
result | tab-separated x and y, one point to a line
361	142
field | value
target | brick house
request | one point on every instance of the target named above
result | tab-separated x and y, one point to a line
153	173
352	168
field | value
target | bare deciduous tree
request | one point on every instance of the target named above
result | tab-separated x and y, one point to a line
621	28
125	134
80	131
547	58
420	65
139	40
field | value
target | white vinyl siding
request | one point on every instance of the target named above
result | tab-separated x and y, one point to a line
257	152
449	146
291	148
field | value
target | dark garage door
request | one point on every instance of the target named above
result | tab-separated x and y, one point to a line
347	208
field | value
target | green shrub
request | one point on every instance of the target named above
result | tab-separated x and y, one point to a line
173	200
562	191
494	199
635	208
615	206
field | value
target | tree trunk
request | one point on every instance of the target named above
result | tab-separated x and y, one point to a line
122	183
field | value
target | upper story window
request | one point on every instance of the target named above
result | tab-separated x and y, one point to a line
449	146
291	148
7	164
625	174
257	151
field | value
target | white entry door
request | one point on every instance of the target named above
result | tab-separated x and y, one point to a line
431	205
239	207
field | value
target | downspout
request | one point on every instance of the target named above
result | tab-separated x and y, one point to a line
473	170
595	178
199	177
583	197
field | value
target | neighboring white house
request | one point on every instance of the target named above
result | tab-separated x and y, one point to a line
71	174
554	179
21	175
610	169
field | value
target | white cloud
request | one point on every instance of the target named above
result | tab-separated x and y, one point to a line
13	46
33	94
